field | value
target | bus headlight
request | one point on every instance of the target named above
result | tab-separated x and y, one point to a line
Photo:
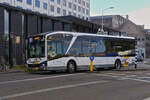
43	65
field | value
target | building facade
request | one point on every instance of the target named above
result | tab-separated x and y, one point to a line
16	24
126	27
112	21
78	8
147	36
136	31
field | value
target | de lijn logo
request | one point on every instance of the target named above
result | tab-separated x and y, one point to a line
92	58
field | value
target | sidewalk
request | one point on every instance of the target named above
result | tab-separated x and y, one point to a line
12	71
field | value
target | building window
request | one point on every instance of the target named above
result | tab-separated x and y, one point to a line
58	1
87	18
74	14
52	8
52	0
87	12
6	22
83	17
87	5
79	8
70	5
83	2
58	10
69	13
29	2
79	16
45	5
19	0
74	7
37	3
79	1
64	12
64	3
83	10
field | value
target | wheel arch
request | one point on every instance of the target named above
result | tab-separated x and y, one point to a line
71	59
117	61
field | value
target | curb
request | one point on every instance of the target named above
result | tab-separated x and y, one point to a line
17	71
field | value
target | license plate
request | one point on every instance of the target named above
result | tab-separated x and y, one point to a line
36	68
125	65
36	62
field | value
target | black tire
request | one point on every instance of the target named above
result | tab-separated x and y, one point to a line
118	64
1	67
71	67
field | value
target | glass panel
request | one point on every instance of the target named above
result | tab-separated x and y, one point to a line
59	48
51	49
86	46
58	45
67	40
36	47
121	47
76	48
6	21
22	23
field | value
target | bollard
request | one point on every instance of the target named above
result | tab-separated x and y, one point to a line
91	64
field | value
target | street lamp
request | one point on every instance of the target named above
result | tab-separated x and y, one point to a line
103	17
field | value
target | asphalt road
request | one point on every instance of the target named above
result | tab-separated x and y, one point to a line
101	85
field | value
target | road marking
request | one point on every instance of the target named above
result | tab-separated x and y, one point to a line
40	78
115	74
147	98
144	77
128	76
138	80
124	78
106	75
147	73
51	89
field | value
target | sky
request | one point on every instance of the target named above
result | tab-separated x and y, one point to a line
138	10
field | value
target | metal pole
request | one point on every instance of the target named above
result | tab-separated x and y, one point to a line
103	17
102	21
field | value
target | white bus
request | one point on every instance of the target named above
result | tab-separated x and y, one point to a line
70	51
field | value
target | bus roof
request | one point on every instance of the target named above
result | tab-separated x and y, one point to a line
83	34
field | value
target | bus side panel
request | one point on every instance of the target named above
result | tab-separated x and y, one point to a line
98	61
61	62
105	61
57	62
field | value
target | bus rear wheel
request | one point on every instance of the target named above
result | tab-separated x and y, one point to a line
118	64
71	67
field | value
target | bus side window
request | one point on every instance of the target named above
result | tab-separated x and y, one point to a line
86	46
76	48
59	48
51	49
93	44
66	42
100	48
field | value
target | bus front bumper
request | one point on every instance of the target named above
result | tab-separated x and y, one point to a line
37	67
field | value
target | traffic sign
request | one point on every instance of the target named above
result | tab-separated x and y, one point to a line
91	64
92	58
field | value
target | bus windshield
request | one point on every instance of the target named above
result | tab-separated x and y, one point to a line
36	47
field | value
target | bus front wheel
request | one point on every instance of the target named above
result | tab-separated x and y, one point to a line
118	64
71	67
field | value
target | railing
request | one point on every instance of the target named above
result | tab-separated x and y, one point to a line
4	66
